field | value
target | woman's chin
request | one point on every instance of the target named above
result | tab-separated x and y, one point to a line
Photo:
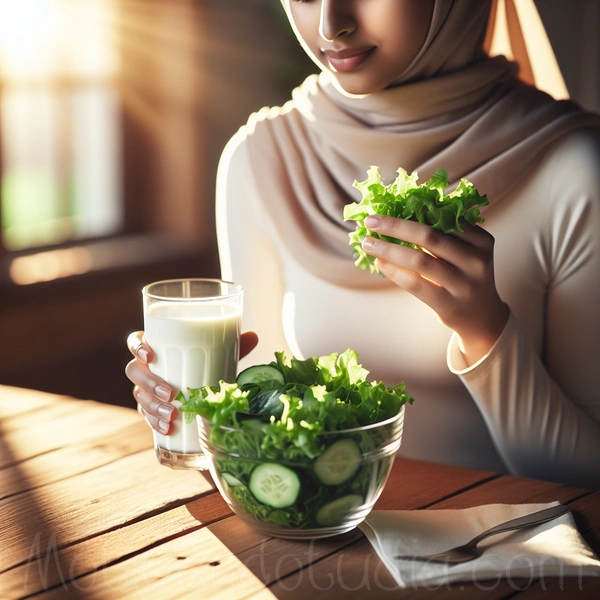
353	90
356	85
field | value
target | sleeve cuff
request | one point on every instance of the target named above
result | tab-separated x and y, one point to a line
456	361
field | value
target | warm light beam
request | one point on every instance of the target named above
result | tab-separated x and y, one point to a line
41	39
23	22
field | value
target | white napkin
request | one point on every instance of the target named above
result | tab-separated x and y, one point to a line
552	549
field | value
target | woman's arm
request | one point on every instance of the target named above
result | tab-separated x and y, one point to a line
542	403
537	428
539	397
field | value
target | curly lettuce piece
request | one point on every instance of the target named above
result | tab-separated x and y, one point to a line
324	393
405	198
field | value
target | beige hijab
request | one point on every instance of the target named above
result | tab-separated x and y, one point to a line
454	107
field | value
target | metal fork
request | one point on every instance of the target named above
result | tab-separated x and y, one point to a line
470	550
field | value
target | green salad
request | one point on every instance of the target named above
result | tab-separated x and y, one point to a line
407	199
278	441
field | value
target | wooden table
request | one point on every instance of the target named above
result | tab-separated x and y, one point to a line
87	512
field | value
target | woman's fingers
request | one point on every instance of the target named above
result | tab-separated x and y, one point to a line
454	275
140	375
158	414
454	248
136	342
248	342
159	419
416	269
457	262
152	394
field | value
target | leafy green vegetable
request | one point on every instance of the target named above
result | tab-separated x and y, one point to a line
326	393
270	422
404	198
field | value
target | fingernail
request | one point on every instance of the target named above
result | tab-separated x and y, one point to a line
372	222
163	426
143	355
166	411
162	392
368	243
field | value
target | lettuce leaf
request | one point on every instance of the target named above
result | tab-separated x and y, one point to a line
404	198
326	393
271	422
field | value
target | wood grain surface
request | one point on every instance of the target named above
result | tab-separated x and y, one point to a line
87	512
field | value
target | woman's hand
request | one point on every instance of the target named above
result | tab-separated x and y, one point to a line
455	277
154	395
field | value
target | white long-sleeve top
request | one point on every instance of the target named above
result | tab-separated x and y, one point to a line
532	405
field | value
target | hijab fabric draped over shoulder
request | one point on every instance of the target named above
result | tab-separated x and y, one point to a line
454	107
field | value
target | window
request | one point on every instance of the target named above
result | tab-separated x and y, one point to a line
101	141
59	122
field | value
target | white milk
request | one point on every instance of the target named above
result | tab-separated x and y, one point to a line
194	344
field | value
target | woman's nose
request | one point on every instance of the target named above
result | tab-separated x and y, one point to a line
336	19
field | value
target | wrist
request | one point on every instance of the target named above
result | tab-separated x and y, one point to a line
476	343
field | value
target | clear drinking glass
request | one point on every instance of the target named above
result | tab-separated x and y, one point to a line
193	328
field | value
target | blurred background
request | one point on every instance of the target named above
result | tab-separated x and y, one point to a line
113	114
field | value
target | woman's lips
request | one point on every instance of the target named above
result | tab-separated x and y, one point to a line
347	60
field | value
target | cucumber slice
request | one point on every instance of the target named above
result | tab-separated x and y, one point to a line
338	463
260	373
337	511
230	480
266	404
274	485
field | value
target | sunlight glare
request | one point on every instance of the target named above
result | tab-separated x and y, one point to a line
49	38
47	266
25	21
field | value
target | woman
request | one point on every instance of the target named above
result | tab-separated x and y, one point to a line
496	332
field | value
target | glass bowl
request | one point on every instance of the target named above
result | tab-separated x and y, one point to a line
287	494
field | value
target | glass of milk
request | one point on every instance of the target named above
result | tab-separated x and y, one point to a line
193	328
